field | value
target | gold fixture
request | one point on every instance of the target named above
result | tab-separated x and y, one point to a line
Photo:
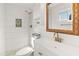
57	38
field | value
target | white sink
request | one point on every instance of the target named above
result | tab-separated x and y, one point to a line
59	48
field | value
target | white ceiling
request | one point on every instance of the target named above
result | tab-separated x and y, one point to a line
26	5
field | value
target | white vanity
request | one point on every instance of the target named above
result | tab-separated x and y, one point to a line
53	48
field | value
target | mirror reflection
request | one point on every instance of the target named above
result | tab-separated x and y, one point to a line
60	16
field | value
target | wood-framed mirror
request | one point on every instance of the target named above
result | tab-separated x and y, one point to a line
62	18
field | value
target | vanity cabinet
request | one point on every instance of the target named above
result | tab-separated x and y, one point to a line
62	18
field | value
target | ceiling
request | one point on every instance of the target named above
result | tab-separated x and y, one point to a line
26	5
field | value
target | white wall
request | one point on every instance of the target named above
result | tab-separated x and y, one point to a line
39	11
36	18
16	37
47	36
2	36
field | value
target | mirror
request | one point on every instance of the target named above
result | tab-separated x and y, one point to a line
60	17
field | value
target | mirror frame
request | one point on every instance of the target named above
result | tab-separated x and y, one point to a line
75	29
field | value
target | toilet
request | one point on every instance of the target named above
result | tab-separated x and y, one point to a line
28	50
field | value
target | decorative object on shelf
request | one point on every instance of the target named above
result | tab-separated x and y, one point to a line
18	22
37	20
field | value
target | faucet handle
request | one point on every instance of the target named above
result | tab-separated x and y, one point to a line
57	38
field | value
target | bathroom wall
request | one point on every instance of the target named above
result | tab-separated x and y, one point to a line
41	28
47	36
16	37
2	36
36	18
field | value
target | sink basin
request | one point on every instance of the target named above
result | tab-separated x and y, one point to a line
59	48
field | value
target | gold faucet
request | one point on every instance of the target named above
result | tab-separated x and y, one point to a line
57	38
